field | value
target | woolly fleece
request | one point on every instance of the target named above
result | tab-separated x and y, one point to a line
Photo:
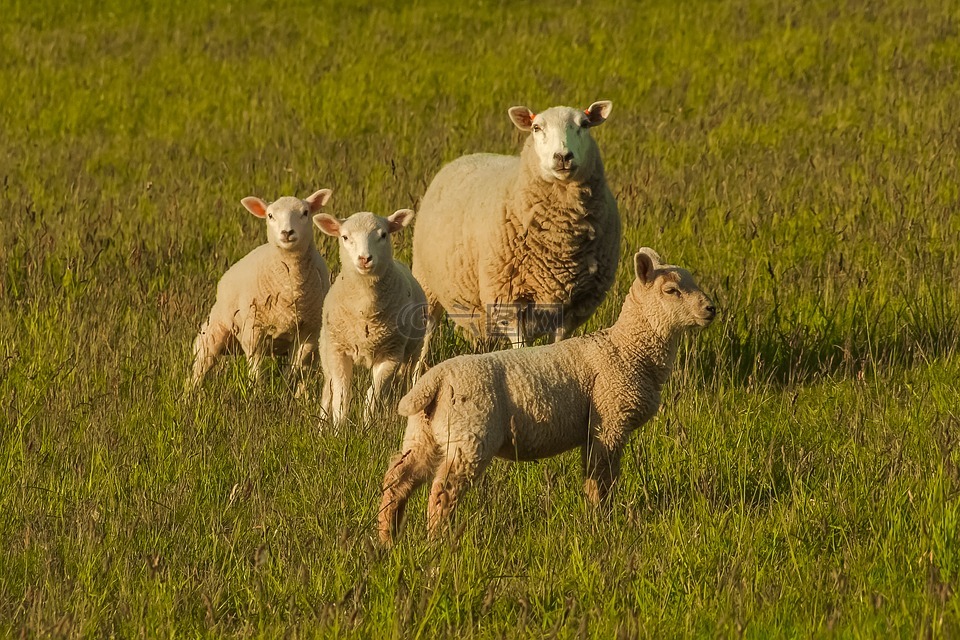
590	392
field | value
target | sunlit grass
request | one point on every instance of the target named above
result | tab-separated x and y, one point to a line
802	477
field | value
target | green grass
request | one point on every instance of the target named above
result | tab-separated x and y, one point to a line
802	478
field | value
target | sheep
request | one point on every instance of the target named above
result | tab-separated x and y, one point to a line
271	300
374	314
521	247
590	392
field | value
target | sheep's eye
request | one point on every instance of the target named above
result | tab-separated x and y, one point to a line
270	215
537	128
672	291
344	238
383	234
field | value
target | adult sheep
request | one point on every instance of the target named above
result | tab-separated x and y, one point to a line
523	246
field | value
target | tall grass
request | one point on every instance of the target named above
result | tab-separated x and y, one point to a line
802	478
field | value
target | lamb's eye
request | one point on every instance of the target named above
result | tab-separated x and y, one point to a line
537	128
383	234
344	238
671	291
270	215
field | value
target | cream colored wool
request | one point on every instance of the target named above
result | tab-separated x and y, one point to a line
271	300
505	233
374	314
590	392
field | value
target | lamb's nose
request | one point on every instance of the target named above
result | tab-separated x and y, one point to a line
712	310
286	234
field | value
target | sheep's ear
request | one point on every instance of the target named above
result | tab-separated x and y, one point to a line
645	263
328	224
598	112
400	219
522	118
256	206
319	199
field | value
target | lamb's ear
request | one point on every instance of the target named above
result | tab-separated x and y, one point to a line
318	199
522	118
598	112
256	206
645	263
400	219
328	224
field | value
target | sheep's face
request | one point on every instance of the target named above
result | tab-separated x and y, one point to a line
671	295
561	138
288	219
365	239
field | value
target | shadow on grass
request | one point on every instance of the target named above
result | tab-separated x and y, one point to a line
778	356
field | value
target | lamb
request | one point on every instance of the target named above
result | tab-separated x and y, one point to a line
590	392
374	314
521	247
271	300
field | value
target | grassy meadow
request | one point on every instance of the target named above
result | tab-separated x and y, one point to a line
802	479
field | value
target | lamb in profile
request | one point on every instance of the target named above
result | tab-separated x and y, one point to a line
374	314
523	246
590	392
270	302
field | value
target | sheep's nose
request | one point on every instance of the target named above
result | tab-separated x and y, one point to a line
287	234
365	260
563	157
712	310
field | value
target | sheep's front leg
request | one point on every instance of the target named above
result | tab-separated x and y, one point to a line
560	333
250	341
383	375
302	353
337	374
601	467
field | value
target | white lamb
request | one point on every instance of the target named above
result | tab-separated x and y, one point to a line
521	246
590	392
271	300
374	314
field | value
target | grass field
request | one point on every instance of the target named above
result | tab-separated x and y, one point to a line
802	479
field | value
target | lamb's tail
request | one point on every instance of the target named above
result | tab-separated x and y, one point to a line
423	394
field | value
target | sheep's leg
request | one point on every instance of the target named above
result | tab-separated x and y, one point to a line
434	312
384	374
302	353
453	478
255	367
208	345
601	467
250	339
337	373
560	333
406	473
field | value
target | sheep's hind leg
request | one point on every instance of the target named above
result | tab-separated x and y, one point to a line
208	345
434	313
455	475
406	473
